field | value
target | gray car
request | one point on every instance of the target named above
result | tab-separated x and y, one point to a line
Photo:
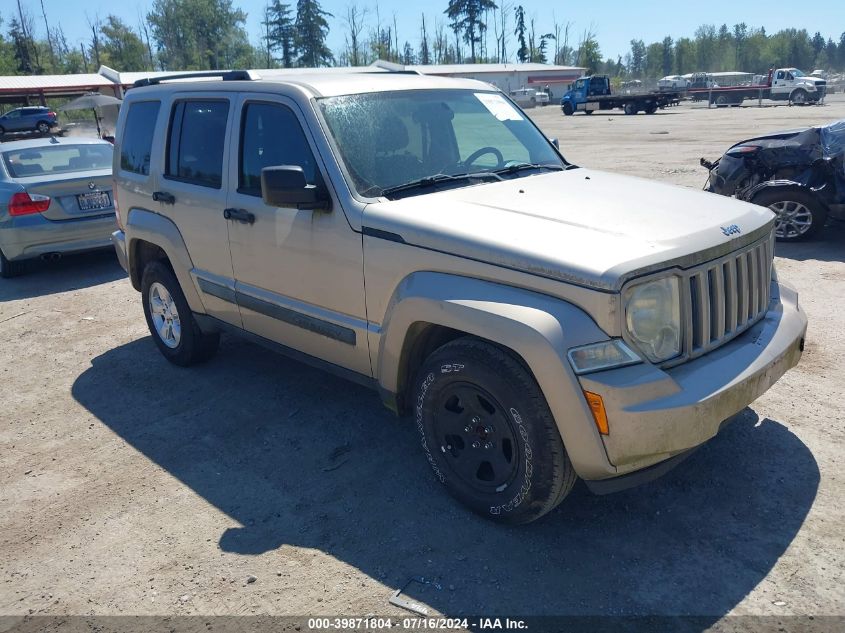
55	198
29	119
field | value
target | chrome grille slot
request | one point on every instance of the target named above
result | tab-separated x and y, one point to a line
726	297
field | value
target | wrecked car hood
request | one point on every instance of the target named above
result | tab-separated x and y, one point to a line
580	226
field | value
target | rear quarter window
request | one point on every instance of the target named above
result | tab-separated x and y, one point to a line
137	141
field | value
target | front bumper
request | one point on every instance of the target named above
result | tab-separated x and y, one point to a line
656	414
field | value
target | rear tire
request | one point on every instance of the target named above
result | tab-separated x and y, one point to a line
651	108
631	108
171	322
800	214
42	127
588	111
11	269
488	434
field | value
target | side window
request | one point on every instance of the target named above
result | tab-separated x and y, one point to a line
137	138
196	140
271	135
14	114
780	74
789	76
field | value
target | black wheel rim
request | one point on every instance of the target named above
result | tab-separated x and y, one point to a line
476	437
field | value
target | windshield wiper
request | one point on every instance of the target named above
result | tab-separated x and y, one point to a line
517	167
430	181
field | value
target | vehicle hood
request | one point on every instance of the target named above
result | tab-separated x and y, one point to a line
580	226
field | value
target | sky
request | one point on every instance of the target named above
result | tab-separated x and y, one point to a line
615	22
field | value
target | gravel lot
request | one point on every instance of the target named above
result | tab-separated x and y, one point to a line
129	486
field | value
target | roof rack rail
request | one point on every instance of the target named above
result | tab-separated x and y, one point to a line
225	75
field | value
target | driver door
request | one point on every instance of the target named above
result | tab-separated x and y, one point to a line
299	277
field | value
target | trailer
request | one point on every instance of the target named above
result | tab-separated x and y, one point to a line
783	84
589	94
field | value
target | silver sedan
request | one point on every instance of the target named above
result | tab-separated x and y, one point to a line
55	198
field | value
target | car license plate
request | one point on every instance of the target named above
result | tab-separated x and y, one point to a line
96	200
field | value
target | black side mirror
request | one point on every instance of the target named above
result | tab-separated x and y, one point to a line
285	186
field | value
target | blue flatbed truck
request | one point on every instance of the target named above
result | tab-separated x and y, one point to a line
589	94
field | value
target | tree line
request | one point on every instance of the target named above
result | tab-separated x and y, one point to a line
212	34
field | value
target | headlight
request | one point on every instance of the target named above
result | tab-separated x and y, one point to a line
598	356
653	316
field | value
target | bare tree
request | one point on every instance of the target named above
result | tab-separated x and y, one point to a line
49	38
26	30
145	32
425	53
355	19
95	37
504	10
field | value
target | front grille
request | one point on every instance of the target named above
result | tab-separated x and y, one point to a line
725	297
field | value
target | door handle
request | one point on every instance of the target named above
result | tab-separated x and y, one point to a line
239	215
163	196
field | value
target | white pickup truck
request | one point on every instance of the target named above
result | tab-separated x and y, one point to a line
783	84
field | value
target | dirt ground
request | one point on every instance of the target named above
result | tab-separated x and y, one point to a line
129	486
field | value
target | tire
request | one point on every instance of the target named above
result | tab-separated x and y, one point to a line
11	269
651	108
476	401
2	131
588	112
188	345
568	110
798	97
721	100
800	214
631	108
43	127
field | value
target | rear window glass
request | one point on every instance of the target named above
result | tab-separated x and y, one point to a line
57	159
137	141
197	137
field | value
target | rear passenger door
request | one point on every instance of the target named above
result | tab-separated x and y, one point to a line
192	190
299	273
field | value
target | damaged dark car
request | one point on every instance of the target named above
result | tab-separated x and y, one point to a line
798	174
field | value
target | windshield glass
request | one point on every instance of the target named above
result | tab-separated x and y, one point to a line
389	139
57	159
796	73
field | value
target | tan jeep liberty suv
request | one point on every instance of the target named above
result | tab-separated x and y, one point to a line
538	321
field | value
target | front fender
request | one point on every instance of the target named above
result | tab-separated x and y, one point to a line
162	232
538	328
749	194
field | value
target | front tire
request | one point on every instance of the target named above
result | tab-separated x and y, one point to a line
799	214
568	110
488	434
172	325
799	97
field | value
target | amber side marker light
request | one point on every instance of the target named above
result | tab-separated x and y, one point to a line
597	409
